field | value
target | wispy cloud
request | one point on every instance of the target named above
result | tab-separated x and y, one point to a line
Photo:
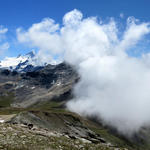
4	45
3	30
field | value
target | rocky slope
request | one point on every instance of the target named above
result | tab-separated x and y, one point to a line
20	137
39	86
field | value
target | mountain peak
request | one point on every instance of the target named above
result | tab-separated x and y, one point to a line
31	54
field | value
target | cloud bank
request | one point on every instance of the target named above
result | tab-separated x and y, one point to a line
114	86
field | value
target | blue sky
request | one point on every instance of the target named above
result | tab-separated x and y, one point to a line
23	13
14	13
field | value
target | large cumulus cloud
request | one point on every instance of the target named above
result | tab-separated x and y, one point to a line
114	86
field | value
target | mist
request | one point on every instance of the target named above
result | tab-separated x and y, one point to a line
114	83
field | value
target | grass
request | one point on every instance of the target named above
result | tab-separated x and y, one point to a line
5	101
55	107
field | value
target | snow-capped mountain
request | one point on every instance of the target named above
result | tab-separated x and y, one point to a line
26	63
21	63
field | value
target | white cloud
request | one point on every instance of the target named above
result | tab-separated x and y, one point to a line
72	18
121	15
44	36
3	44
4	47
113	86
133	33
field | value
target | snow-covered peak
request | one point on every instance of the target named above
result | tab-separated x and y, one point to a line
27	62
18	63
12	62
